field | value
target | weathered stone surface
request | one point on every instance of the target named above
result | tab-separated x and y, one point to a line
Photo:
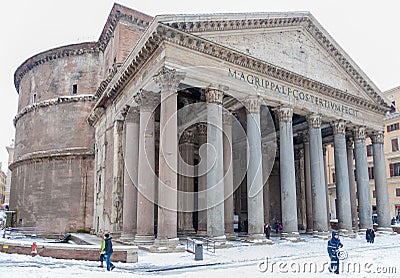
54	195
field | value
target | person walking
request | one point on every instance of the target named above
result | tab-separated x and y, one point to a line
108	251
372	236
102	251
267	230
276	227
333	247
368	235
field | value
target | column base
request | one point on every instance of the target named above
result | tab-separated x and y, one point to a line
258	239
220	242
128	238
201	233
166	245
385	230
291	236
321	234
348	233
219	239
309	231
362	231
187	232
230	236
144	240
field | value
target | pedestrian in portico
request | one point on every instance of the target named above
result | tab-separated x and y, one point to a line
267	230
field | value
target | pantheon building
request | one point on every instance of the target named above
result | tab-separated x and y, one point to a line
180	124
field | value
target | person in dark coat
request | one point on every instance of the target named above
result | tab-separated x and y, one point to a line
371	236
393	221
333	247
276	226
267	230
108	251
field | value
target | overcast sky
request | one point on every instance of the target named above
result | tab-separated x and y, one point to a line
367	30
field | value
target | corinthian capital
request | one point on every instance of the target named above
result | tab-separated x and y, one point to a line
314	121
214	95
187	137
133	115
359	133
285	114
377	137
202	129
168	79
252	104
339	127
147	101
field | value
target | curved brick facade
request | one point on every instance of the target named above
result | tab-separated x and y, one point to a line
53	166
52	173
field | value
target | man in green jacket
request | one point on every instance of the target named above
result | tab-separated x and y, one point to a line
102	251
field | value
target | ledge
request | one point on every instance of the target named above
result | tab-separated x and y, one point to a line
51	154
54	101
125	254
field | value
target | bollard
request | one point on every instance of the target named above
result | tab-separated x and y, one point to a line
34	249
198	250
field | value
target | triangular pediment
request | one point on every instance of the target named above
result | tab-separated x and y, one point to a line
292	41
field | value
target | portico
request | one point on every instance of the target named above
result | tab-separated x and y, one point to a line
219	136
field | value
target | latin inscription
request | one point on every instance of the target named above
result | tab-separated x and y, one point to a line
291	92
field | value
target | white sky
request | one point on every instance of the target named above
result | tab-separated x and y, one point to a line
366	29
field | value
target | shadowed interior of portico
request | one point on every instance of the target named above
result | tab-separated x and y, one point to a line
192	129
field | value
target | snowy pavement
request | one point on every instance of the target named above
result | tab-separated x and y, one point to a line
282	259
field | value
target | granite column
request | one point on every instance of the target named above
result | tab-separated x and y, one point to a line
363	188
381	187
287	171
342	176
130	175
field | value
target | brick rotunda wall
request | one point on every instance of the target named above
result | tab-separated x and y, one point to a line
52	174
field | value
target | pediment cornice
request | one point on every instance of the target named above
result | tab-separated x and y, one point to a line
113	85
281	20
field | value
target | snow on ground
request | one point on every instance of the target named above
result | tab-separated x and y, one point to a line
282	259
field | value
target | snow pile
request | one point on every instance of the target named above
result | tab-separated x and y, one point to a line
282	259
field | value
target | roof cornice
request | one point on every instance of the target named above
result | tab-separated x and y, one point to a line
113	85
52	54
392	91
117	13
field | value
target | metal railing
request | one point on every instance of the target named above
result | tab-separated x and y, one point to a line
208	244
190	245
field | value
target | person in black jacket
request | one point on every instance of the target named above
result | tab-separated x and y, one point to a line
370	235
333	247
109	250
